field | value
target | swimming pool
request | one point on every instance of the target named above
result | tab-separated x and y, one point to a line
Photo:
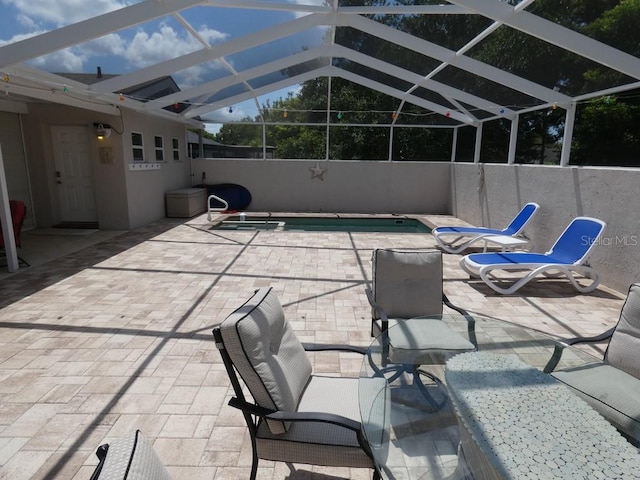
323	224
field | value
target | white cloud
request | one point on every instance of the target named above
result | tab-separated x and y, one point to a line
17	38
210	35
62	12
27	22
63	61
146	49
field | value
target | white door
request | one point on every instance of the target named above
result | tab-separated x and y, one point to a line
74	176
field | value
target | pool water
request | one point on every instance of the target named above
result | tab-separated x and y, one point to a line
323	224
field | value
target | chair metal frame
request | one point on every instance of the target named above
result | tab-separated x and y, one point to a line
414	370
254	414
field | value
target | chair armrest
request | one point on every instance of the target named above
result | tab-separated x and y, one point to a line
448	303
471	322
321	417
281	416
101	453
326	347
379	310
595	339
561	345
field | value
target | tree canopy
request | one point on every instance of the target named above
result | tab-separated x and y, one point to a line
365	124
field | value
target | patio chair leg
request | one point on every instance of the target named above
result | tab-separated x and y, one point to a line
435	404
254	466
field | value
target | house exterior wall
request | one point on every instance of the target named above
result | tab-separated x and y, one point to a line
124	199
347	187
492	194
146	189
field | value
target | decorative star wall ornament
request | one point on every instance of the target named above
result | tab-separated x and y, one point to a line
317	172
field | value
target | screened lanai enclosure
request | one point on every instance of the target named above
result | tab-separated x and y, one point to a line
530	81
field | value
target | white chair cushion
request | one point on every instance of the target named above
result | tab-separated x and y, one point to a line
610	391
421	341
407	283
267	354
623	351
132	458
324	443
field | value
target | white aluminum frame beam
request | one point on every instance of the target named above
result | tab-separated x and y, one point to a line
259	91
367	82
89	29
421	81
210	88
450	57
6	221
555	34
183	62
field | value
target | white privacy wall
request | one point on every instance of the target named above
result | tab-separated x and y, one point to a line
481	194
492	194
346	187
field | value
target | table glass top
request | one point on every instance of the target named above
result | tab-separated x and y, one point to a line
411	423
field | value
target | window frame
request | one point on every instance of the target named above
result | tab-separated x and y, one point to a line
135	147
175	149
158	150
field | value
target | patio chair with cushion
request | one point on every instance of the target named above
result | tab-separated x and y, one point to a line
457	239
407	284
611	387
568	257
295	416
130	457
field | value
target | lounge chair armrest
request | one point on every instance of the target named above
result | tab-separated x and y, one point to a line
561	345
326	347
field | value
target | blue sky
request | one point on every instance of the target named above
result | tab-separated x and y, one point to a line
148	43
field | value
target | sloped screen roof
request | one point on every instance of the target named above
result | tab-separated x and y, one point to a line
438	63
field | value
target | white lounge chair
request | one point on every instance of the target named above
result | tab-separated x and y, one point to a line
464	237
568	257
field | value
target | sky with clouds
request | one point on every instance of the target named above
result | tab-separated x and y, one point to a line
149	43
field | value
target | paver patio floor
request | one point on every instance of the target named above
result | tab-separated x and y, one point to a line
117	336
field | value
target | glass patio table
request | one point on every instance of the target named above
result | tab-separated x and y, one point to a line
483	421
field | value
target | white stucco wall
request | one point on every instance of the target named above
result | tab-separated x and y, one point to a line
146	189
347	187
492	194
124	199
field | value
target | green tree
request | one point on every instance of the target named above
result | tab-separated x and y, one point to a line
613	22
